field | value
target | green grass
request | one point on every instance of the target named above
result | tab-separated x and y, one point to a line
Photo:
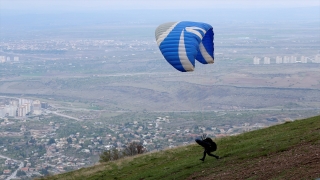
183	162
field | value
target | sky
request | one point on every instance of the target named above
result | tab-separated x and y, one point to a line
101	5
64	12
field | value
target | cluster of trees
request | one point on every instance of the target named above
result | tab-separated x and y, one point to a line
43	171
21	173
131	149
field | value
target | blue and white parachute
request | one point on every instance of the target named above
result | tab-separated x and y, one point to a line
181	43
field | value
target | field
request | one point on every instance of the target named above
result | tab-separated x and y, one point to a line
222	86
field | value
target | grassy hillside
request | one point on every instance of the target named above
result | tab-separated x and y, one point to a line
287	151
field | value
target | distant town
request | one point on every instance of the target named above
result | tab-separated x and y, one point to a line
287	59
21	107
50	149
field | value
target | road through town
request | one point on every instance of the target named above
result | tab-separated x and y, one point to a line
13	175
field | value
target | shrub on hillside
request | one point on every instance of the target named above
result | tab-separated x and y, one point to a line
134	148
131	149
111	155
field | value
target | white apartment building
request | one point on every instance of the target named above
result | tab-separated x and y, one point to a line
317	58
2	59
303	59
2	112
14	103
8	110
22	111
36	107
21	107
25	101
286	59
266	60
12	110
256	60
16	58
293	59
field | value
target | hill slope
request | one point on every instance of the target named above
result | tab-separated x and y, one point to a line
286	151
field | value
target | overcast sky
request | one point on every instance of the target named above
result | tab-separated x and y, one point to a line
98	5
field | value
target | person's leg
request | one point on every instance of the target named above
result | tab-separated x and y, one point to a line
204	155
205	145
209	153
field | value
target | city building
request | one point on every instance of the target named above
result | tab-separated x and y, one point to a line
303	59
317	58
2	59
256	60
21	107
8	110
266	60
24	101
36	107
22	111
44	105
11	110
293	59
286	59
28	107
2	112
16	58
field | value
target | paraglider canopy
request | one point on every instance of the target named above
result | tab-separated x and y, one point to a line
181	43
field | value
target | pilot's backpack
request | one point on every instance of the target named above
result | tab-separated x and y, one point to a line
213	145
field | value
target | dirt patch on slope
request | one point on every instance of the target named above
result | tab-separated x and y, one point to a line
299	162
